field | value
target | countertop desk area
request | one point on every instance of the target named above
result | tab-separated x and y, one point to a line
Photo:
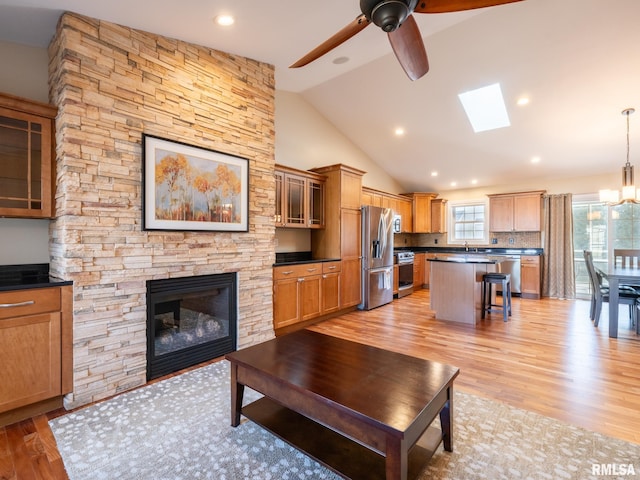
456	286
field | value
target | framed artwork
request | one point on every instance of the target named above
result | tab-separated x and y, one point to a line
192	188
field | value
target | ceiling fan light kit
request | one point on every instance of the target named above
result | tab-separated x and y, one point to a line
390	15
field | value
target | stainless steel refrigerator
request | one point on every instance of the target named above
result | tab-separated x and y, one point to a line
377	257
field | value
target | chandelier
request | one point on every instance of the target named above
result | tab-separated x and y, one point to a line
629	192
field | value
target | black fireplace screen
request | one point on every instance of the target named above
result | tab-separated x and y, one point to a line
189	320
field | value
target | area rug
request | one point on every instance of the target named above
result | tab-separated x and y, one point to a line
179	429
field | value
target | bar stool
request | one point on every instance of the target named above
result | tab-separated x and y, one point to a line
489	279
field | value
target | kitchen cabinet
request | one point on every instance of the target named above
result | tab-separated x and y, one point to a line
421	211
418	270
371	197
396	279
427	269
305	291
27	158
341	237
296	293
330	289
400	204
36	351
405	207
515	212
299	199
438	215
530	276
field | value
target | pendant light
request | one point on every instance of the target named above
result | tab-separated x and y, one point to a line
629	192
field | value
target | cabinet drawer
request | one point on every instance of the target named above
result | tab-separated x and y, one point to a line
331	267
530	260
17	303
296	271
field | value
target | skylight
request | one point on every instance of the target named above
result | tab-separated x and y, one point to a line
485	108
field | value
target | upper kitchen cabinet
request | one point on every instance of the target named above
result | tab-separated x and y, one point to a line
438	215
400	204
421	211
515	212
300	201
26	158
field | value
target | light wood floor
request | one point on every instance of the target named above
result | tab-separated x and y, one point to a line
549	358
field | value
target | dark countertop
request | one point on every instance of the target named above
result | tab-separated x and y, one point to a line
473	258
299	258
23	277
473	250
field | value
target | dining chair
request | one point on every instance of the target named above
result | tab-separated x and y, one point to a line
600	293
626	257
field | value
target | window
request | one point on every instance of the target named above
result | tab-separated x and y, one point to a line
601	229
468	223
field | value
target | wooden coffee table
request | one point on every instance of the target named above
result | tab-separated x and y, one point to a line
361	411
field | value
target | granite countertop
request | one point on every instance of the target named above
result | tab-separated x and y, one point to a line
22	277
467	259
473	250
299	258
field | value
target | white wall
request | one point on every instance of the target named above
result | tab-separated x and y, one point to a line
24	74
305	139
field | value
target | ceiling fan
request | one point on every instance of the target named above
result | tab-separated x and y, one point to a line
396	18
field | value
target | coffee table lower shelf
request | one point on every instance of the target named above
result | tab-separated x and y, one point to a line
333	450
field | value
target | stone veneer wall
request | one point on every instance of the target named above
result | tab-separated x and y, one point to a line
111	84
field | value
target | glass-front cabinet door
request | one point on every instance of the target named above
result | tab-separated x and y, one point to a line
295	193
25	163
316	204
299	198
280	201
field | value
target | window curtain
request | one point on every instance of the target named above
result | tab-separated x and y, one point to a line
558	277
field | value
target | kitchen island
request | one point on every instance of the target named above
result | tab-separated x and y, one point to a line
456	286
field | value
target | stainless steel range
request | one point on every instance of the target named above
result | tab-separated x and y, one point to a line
404	260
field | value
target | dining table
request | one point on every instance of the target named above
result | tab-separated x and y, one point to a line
617	276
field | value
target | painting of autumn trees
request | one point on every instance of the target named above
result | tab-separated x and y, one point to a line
189	187
189	190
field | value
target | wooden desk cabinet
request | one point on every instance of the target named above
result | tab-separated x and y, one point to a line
36	351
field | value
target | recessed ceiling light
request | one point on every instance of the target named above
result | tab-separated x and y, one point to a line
474	181
224	20
485	108
399	131
434	174
453	184
535	159
523	101
340	60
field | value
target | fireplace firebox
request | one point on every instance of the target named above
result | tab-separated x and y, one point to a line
190	320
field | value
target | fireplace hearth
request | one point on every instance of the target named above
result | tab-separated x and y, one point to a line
190	320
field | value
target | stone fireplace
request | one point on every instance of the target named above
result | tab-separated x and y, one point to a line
189	320
111	84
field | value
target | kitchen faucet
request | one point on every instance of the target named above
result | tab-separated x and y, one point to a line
466	246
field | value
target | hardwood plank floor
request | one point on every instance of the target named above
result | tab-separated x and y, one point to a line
549	358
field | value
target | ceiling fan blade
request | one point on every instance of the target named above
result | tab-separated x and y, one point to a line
342	36
444	6
408	46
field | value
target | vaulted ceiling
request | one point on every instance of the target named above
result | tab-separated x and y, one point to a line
576	60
